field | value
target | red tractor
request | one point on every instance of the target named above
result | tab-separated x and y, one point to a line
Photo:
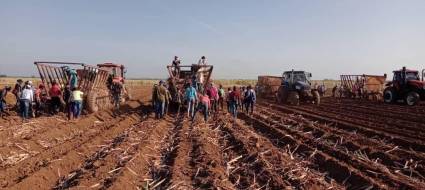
406	85
116	76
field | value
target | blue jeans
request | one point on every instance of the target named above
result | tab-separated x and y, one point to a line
204	108
190	107
2	106
159	109
76	108
234	108
25	106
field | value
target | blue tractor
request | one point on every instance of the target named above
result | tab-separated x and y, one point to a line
296	88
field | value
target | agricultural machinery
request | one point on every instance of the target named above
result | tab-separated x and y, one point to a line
184	74
267	86
296	87
362	86
406	85
94	82
116	76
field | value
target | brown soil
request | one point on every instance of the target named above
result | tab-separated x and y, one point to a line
341	144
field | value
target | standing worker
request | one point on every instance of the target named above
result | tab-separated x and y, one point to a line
191	98
76	102
249	99
160	101
221	96
26	98
55	94
228	102
202	61
3	94
116	89
176	65
17	90
234	96
168	99
204	105
213	95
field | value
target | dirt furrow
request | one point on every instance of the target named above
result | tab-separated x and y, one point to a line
345	143
372	169
62	158
103	172
206	159
246	166
348	125
136	173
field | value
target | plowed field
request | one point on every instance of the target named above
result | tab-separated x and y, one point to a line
341	144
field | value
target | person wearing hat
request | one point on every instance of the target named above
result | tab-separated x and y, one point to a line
26	98
3	94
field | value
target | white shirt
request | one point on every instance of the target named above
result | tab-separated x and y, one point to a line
202	62
27	94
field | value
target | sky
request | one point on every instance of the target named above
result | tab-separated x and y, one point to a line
241	38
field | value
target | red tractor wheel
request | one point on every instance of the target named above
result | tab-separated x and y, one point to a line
412	98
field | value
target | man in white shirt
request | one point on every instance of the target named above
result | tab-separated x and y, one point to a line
202	61
26	99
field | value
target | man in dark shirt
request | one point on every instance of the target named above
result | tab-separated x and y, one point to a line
3	94
176	65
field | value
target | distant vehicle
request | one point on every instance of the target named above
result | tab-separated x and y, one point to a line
296	88
406	85
117	76
369	86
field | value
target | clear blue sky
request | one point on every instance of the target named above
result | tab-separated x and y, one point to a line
242	39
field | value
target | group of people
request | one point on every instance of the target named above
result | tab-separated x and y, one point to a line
240	99
32	101
210	100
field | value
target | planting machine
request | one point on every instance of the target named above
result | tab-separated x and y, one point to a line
179	77
362	86
94	81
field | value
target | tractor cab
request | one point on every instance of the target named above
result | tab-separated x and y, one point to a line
116	72
407	85
405	76
299	80
296	87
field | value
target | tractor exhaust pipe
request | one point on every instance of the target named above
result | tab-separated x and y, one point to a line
423	74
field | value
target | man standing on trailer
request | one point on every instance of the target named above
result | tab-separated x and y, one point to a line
176	65
202	61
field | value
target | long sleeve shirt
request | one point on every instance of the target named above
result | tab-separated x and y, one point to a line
27	94
190	93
